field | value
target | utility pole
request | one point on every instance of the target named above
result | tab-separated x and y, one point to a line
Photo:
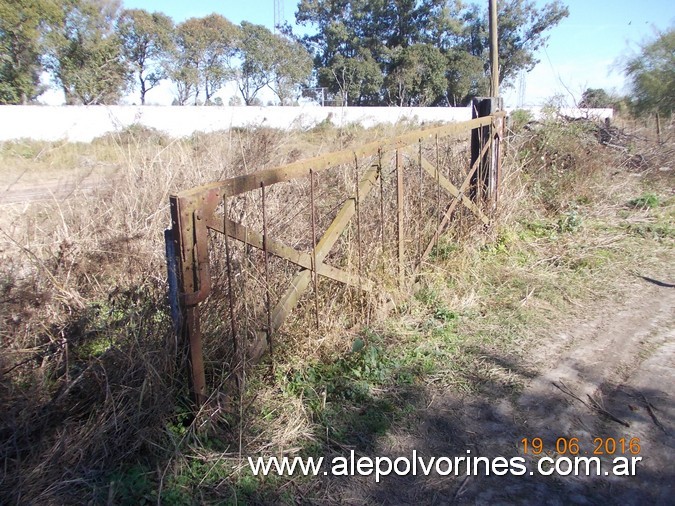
486	179
494	52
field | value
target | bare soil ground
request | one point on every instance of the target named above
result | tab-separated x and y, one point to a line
23	187
609	375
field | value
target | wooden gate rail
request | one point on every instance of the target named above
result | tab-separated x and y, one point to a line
194	212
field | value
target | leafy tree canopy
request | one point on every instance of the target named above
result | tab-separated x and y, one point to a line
652	75
377	35
147	39
203	56
596	98
23	24
85	52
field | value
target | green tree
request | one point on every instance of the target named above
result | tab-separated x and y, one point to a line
358	42
416	76
291	67
523	29
377	35
256	52
203	54
147	40
23	24
85	54
652	75
465	77
596	98
353	81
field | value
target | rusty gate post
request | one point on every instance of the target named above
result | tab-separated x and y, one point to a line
189	317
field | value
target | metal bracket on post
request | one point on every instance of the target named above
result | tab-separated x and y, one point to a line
189	272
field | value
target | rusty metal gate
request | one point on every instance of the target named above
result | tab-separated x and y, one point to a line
320	232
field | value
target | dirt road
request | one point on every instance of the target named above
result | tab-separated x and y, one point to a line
19	188
610	375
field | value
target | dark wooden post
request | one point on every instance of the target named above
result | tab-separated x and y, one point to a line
484	180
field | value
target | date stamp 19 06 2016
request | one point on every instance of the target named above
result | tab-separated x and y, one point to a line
572	446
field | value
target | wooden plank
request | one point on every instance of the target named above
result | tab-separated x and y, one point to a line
301	280
301	168
281	250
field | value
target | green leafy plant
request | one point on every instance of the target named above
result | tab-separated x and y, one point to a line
647	200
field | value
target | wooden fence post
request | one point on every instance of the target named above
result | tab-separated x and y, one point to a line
485	181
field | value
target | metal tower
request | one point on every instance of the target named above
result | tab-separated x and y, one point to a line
521	89
278	14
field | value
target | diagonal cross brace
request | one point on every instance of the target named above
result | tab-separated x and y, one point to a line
301	280
281	250
459	197
453	190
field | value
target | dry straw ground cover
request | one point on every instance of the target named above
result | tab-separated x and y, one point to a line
94	403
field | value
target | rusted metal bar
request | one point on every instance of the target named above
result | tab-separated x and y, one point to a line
230	293
301	280
379	169
281	250
197	375
399	219
658	127
242	184
419	198
438	190
314	262
459	197
268	303
358	216
201	255
500	130
496	177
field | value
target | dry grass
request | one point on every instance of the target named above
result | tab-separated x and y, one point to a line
94	402
86	341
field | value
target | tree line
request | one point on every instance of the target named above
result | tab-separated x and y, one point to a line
361	52
96	52
358	52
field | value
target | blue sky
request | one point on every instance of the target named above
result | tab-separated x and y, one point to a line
584	51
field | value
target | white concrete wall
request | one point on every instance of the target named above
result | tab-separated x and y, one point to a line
84	123
539	113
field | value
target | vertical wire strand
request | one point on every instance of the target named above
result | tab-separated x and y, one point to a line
438	193
268	304
419	216
314	264
228	258
358	220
